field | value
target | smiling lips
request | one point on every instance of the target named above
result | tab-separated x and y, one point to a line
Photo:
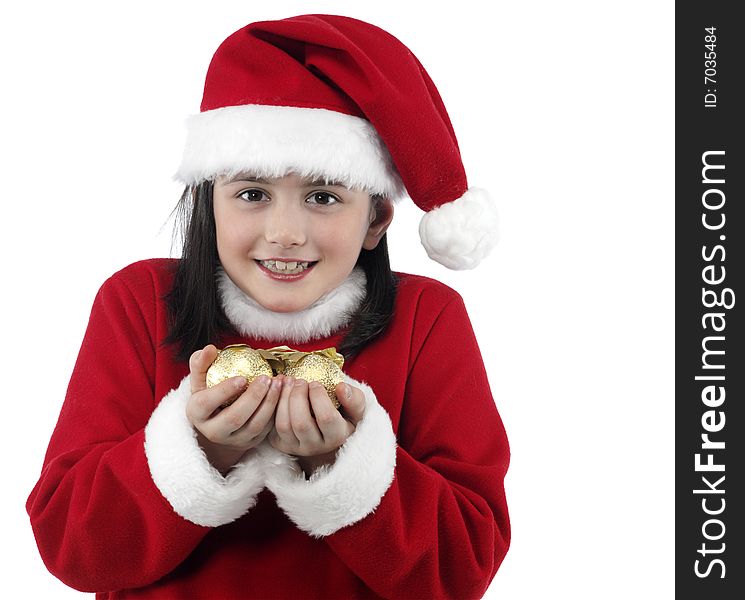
286	269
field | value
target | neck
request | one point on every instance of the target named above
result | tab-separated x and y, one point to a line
328	314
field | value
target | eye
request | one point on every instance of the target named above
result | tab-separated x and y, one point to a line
252	195
322	198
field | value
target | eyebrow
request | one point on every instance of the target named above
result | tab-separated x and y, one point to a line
248	177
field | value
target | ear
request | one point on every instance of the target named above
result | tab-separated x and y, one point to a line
381	217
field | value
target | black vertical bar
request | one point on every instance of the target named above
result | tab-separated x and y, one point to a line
710	300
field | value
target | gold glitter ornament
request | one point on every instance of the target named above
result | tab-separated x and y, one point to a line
239	360
236	360
323	366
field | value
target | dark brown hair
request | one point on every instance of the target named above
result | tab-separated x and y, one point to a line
195	315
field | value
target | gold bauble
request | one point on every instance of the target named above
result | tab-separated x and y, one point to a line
313	367
238	360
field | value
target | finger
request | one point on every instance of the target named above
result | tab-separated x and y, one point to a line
267	428
235	416
352	400
260	422
303	424
282	423
331	424
199	362
204	403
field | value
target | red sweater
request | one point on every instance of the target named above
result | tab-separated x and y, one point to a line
414	507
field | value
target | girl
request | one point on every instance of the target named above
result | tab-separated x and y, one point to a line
310	128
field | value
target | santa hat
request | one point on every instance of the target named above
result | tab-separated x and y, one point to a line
336	98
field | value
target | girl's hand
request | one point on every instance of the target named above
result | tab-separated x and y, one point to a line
225	434
314	440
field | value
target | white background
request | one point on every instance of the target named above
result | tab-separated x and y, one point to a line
564	110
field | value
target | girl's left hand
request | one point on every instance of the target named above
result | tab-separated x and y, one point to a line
314	440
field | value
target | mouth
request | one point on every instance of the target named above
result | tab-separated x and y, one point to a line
291	269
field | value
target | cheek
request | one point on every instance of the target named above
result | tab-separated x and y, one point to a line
232	233
347	232
340	241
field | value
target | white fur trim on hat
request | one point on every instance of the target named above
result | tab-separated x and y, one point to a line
325	316
180	469
341	494
459	234
270	141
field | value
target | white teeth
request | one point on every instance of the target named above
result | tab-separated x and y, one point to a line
289	268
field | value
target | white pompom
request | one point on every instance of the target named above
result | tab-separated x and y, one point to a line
459	234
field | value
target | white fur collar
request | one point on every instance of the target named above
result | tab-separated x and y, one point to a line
325	316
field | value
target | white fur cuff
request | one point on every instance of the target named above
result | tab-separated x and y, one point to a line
459	234
194	488
348	490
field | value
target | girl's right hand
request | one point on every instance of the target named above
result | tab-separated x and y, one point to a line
226	434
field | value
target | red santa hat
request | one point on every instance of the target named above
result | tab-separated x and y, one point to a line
332	97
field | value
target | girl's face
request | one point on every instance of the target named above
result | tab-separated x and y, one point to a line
269	229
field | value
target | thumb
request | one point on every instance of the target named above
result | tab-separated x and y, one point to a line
199	362
352	400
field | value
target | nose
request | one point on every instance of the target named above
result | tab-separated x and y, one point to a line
284	224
